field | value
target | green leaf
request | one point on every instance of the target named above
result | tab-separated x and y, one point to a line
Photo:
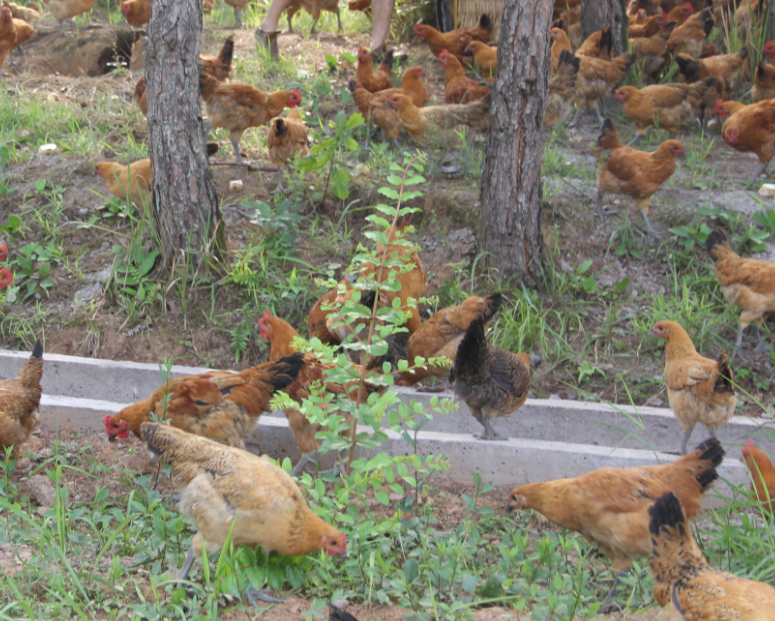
411	570
40	185
382	497
44	269
148	263
389	192
394	180
492	588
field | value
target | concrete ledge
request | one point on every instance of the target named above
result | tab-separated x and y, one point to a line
548	439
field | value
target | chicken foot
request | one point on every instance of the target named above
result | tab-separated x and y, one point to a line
489	433
687	435
651	230
235	144
608	605
596	108
760	345
238	17
759	171
257	594
279	189
602	214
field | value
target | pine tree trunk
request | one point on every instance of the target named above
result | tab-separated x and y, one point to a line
597	14
511	189
185	199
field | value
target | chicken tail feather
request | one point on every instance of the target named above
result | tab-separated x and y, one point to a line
717	245
227	53
37	350
471	360
493	304
609	138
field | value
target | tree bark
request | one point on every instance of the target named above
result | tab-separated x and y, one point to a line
185	200
511	189
597	14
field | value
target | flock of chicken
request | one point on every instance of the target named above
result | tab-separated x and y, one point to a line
626	513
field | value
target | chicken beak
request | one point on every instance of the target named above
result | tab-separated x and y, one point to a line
342	555
509	507
111	438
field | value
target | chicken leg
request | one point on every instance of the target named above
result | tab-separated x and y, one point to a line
602	214
187	565
279	189
687	435
608	605
634	140
305	459
258	594
235	144
651	230
760	346
489	433
758	172
238	17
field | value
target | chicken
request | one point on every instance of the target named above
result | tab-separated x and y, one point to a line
596	78
764	82
8	42
690	36
748	19
219	405
723	66
727	108
373	104
485	58
227	491
412	281
207	6
137	12
680	13
560	44
649	28
599	44
434	125
315	7
65	10
652	50
684	579
699	389
360	5
752	130
608	507
762	474
286	137
667	106
137	178
441	335
238	6
369	78
746	283
19	400
493	382
281	336
457	87
219	66
7	36
317	320
25	13
140	96
237	107
562	85
454	41
334	613
633	173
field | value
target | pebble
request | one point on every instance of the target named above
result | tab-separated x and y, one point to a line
555	398
235	185
41	489
767	189
134	463
47	149
341	603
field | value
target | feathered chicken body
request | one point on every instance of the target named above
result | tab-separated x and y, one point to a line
699	389
493	382
562	85
684	580
133	182
746	283
219	66
219	405
441	335
752	130
762	474
287	137
458	88
237	107
19	400
228	490
434	125
609	506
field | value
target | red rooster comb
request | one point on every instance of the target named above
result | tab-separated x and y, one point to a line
297	93
3	252
718	105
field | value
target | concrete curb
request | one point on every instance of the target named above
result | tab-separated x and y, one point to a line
78	392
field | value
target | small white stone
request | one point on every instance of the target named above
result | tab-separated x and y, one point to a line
767	189
47	149
235	185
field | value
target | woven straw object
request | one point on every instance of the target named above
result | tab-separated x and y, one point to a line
468	12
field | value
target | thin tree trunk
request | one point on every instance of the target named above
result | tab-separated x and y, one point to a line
511	192
597	14
185	200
